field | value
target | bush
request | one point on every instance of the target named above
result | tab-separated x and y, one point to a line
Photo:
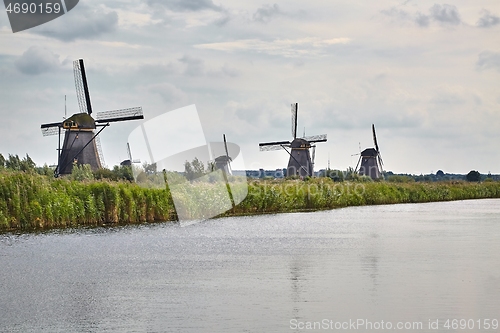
81	172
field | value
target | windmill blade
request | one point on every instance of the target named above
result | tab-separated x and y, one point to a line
316	138
225	147
357	165
129	153
50	129
268	146
313	154
82	89
99	151
375	138
295	110
380	160
120	115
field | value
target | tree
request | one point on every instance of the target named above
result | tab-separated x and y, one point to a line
473	176
27	164
194	170
13	162
2	162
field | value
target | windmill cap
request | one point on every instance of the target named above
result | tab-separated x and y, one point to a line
369	152
80	121
300	143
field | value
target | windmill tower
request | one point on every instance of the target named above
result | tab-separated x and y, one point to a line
223	162
300	162
81	145
371	160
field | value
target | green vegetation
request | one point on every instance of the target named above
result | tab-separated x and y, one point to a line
30	201
324	193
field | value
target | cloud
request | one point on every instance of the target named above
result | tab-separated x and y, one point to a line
422	20
37	60
265	13
185	5
447	14
83	22
488	60
168	92
488	20
282	47
194	66
398	13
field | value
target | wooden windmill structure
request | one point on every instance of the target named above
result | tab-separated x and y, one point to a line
370	161
81	145
300	162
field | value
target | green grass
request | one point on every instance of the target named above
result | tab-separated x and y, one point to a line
30	201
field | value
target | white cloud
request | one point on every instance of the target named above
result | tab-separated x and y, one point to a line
281	47
168	92
83	22
37	60
488	20
488	60
265	13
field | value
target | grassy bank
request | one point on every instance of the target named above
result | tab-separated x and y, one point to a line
30	201
322	193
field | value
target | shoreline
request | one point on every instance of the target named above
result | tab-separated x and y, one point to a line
31	202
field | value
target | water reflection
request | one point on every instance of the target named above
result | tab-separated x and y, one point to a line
255	274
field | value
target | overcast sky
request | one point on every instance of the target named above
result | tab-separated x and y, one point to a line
426	73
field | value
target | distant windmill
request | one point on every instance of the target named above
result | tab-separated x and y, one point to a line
81	145
130	161
300	162
371	160
223	162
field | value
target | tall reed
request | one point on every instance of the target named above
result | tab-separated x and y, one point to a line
32	201
29	201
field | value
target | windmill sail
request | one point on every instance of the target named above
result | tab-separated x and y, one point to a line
82	89
50	129
119	115
225	147
268	146
295	110
316	138
374	138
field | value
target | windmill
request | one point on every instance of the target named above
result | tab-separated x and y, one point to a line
300	162
81	145
223	162
371	160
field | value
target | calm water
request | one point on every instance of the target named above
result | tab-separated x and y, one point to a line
273	273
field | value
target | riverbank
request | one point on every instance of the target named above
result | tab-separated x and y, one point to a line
30	201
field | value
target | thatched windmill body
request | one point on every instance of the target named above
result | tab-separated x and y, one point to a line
81	145
370	161
300	162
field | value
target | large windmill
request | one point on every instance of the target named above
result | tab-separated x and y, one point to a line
371	160
300	163
80	144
